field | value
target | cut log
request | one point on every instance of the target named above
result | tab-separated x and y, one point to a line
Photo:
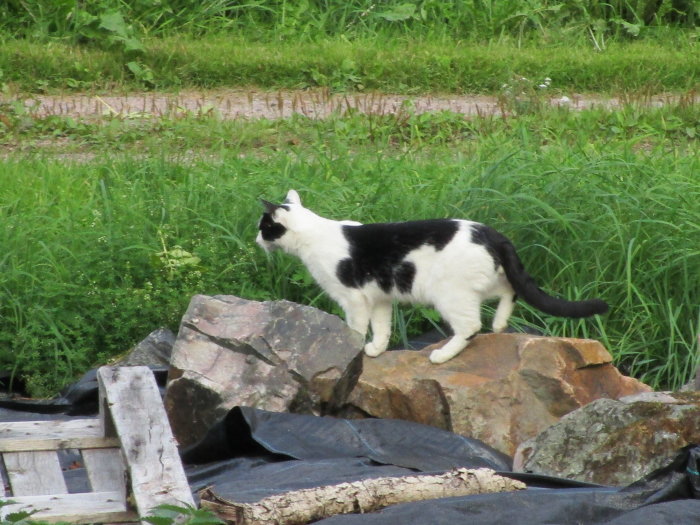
303	506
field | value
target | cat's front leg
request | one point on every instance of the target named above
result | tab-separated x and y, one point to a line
380	320
356	314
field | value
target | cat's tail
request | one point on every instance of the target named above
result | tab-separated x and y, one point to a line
526	288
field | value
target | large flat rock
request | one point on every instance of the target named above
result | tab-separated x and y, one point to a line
503	389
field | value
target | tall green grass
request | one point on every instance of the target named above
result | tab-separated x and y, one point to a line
97	252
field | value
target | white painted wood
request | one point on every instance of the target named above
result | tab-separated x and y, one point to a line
92	507
87	427
39	443
131	396
34	473
106	470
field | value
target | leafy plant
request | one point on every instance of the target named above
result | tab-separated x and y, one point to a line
161	515
182	515
17	518
21	517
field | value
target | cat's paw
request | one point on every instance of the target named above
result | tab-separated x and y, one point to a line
440	356
499	328
372	350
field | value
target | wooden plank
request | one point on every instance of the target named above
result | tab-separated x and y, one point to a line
106	470
23	445
34	473
92	507
130	395
84	427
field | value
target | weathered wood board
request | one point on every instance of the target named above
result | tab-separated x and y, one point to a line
138	417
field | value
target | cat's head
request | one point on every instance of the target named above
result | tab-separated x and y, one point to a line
280	224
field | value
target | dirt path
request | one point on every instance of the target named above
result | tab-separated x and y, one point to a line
283	104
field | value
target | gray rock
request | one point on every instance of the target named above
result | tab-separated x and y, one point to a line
154	350
277	356
615	442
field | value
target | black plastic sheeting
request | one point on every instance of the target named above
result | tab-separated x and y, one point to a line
273	453
251	454
387	442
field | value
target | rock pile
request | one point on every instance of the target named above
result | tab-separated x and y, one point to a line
558	404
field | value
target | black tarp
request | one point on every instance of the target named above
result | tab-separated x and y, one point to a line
302	437
274	453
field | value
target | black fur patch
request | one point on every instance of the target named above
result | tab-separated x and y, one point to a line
489	239
269	229
404	275
377	251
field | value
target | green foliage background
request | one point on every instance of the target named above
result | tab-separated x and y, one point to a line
108	227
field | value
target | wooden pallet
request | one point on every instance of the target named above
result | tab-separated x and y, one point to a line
129	454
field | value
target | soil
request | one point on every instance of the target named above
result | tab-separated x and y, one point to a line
258	104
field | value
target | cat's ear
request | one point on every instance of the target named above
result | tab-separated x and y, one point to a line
292	198
269	207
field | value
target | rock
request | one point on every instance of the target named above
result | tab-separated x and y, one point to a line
615	442
503	389
277	356
154	351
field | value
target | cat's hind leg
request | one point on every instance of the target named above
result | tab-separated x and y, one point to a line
380	320
464	316
503	312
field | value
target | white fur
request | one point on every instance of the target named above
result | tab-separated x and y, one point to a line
454	280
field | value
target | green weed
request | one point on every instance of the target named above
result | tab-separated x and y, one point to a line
161	515
182	515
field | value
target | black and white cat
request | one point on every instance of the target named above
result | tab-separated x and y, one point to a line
450	264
